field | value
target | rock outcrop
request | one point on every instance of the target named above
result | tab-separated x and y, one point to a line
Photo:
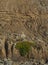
27	16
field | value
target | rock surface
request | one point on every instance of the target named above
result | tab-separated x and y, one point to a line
30	17
27	18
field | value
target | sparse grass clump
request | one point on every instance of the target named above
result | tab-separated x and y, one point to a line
24	47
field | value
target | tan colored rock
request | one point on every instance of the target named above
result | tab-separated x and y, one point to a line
2	40
28	16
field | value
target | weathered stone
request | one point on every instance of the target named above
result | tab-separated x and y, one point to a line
1	62
28	16
8	62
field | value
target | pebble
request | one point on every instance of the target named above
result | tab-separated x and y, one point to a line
9	62
1	62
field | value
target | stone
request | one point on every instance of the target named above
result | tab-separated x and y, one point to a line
28	16
1	62
7	62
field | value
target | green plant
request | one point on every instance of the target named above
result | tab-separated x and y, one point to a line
24	47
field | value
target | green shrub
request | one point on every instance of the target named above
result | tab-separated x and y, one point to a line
24	47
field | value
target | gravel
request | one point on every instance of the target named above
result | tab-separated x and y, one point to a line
10	62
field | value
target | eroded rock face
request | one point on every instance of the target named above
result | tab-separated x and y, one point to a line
2	50
31	17
28	16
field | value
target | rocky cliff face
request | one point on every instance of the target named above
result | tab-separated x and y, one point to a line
30	17
27	16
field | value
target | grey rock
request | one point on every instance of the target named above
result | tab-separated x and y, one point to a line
1	62
7	62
